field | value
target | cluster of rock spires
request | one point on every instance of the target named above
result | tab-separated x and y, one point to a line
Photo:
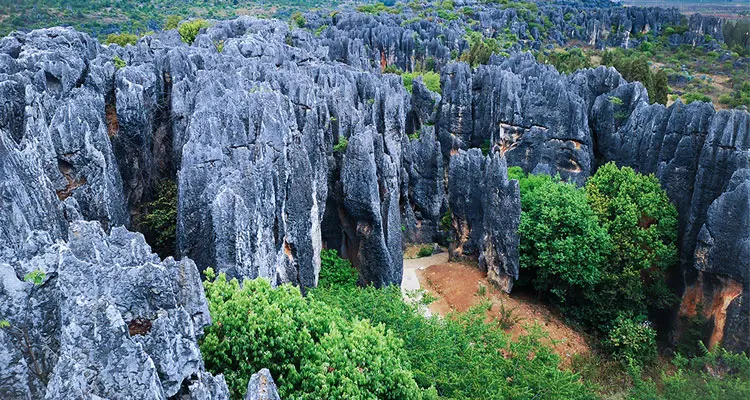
249	133
414	38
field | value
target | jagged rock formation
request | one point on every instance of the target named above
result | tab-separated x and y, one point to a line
411	39
108	319
285	142
262	386
486	208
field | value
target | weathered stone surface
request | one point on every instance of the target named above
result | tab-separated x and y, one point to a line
262	386
426	200
371	201
109	320
486	208
249	132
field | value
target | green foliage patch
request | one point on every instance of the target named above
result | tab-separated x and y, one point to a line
566	61
600	252
311	349
190	29
121	39
461	356
431	79
159	222
336	271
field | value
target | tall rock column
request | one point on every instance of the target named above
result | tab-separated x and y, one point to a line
371	202
486	212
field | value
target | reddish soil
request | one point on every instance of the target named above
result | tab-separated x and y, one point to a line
457	287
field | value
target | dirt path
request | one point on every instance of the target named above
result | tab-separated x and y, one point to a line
410	282
459	286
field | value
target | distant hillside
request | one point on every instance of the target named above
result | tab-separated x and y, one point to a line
723	8
101	17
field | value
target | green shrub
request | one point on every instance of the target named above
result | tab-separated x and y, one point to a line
190	29
431	80
159	222
172	22
716	374
463	356
311	349
615	100
566	61
425	251
119	62
446	221
298	20
632	340
693	96
634	67
480	49
642	223
36	277
563	245
340	147
121	39
335	271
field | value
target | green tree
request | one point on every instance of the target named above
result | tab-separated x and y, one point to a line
566	61
642	223
563	246
172	22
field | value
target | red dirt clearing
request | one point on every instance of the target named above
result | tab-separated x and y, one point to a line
457	287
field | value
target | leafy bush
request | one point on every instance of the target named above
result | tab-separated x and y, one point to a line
340	147
425	251
693	96
335	271
463	355
312	351
378	8
121	39
562	244
632	340
190	29
740	95
634	67
480	49
601	251
119	62
431	79
566	61
36	277
642	223
159	222
298	20
717	374
172	22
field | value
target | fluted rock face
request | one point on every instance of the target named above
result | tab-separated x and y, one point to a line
371	202
59	122
255	137
262	386
426	202
486	208
109	319
521	108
